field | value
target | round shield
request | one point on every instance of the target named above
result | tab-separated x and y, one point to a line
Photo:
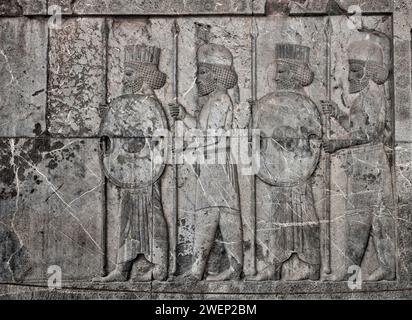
134	150
290	138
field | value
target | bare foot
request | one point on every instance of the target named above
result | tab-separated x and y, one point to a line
146	277
381	275
188	277
229	274
313	273
115	276
159	273
267	274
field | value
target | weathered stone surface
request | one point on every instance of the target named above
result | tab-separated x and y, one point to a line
310	7
77	73
339	6
47	217
321	193
403	178
23	61
22	7
161	7
402	96
402	63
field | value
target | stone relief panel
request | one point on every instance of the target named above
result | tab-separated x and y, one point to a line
23	61
95	200
158	33
290	72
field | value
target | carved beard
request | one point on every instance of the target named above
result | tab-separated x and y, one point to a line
206	87
357	85
132	86
288	84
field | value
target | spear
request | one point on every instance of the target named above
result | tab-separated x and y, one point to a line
174	238
328	160
254	37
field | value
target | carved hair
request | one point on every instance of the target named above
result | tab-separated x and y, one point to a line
150	75
377	72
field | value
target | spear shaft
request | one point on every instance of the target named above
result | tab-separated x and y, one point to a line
254	72
174	238
328	159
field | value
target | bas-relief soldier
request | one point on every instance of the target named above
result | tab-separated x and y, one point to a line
369	195
129	163
217	192
291	132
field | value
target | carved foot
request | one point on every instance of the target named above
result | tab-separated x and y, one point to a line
268	274
188	277
313	273
146	277
381	275
115	276
227	275
159	273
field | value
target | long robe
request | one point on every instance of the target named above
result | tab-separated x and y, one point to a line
217	184
143	229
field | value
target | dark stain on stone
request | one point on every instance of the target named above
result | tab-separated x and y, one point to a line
10	7
37	129
37	93
52	165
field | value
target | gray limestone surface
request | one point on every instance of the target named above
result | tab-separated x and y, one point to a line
206	149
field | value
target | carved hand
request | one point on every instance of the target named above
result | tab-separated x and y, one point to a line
177	111
330	108
252	103
330	146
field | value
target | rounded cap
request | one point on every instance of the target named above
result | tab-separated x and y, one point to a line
215	54
366	51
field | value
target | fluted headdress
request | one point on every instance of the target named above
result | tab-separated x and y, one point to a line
142	54
290	51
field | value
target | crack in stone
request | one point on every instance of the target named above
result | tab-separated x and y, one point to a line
10	69
17	180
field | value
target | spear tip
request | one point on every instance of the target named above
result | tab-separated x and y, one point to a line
255	28
329	28
175	27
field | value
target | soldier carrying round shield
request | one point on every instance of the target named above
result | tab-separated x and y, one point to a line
131	163
291	131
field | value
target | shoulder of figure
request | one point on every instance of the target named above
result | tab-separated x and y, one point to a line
221	98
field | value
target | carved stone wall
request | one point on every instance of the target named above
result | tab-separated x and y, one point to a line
92	93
